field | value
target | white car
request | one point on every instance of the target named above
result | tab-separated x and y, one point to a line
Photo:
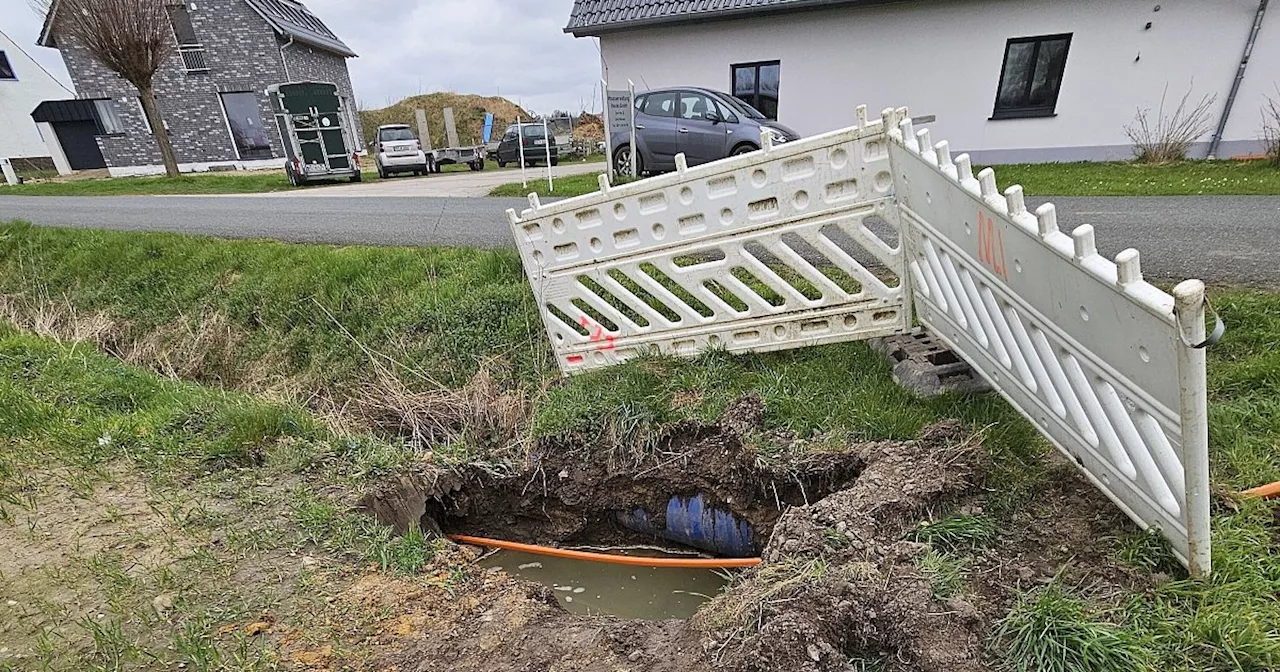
397	150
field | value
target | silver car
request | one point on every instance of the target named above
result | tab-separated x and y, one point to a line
704	124
397	150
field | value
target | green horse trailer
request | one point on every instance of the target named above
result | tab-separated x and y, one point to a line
319	142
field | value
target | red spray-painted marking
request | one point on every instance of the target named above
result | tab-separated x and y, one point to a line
991	245
603	340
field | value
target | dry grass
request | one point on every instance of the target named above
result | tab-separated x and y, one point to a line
1168	137
1270	135
199	348
479	414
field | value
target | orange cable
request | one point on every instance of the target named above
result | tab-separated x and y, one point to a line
1264	491
694	563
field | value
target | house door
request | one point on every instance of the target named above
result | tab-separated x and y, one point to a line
79	141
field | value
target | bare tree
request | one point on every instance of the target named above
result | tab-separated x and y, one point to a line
1271	128
131	37
1169	136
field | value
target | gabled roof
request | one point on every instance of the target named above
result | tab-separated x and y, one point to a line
290	18
592	17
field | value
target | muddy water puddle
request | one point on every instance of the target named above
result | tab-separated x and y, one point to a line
583	586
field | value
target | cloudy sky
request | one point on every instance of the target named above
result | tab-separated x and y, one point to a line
515	48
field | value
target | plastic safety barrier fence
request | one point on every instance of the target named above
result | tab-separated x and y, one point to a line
792	245
1088	351
825	239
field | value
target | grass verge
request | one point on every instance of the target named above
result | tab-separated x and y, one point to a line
190	184
155	523
322	317
569	185
1186	178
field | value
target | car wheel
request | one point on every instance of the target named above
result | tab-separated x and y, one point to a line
622	161
382	174
555	162
476	166
502	164
744	148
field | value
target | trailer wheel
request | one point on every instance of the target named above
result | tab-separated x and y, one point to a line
357	177
477	165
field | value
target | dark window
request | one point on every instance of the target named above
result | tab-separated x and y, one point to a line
1031	76
181	22
245	121
394	134
6	70
660	104
533	131
757	84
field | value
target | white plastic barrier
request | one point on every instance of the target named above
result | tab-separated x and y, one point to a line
762	251
1085	348
810	242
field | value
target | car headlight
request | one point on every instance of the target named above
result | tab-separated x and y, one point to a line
778	137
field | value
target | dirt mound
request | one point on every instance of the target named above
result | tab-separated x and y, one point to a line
838	581
589	128
468	114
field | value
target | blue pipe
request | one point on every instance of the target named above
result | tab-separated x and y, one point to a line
690	521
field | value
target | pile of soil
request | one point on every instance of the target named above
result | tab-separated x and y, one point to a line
589	128
468	115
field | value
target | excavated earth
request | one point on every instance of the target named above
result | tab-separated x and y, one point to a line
837	585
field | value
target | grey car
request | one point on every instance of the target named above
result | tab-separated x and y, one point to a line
704	124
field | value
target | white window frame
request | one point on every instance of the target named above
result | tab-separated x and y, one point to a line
143	111
226	119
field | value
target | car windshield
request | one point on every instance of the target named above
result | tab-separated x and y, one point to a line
741	106
393	134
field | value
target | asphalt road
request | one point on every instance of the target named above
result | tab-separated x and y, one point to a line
1220	239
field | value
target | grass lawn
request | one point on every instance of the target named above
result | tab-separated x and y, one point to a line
231	386
212	183
1220	178
570	185
238	182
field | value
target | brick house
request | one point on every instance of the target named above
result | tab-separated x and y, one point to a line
211	92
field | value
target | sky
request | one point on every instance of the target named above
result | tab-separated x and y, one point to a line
513	48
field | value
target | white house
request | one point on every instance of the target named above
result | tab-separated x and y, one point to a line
24	84
1008	80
